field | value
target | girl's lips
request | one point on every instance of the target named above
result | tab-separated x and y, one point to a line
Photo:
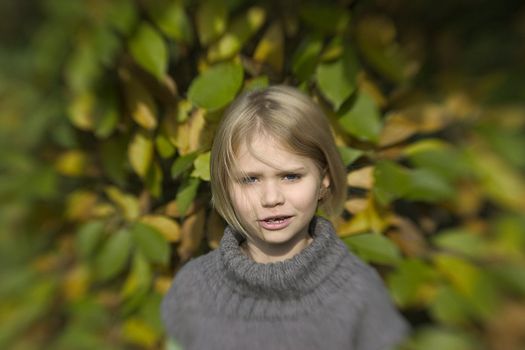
275	223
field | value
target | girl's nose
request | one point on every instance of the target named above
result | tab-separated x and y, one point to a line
271	195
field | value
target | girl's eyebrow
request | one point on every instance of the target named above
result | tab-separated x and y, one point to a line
293	170
241	173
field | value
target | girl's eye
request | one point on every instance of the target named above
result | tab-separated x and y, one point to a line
248	179
292	177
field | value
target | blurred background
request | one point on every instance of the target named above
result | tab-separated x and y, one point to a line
107	112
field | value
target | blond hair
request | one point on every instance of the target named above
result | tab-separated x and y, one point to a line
290	117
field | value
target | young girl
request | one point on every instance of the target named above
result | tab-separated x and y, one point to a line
281	278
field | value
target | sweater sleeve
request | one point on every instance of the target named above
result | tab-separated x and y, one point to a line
381	326
178	302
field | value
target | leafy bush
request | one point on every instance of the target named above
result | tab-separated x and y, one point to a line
108	110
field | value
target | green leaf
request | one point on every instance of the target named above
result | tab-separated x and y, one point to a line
140	153
186	194
376	40
410	275
182	164
304	60
211	20
441	338
257	83
114	158
242	28
88	237
505	186
510	276
109	115
459	241
21	314
151	243
204	90
450	307
149	311
113	256
137	284
349	155
82	69
391	181
154	180
149	50
122	14
508	142
428	186
374	248
164	146
362	119
438	157
510	236
337	80
202	167
106	44
174	22
325	17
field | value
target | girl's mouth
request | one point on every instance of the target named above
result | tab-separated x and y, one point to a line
275	223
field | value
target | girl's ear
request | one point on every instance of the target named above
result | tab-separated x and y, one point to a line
325	181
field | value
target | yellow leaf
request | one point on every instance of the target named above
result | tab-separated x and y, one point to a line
103	210
271	47
76	283
81	111
140	153
163	284
80	205
140	103
397	128
140	333
127	204
356	205
368	220
169	228
215	229
46	263
407	236
462	274
188	137
211	20
172	209
500	182
72	163
192	233
362	178
241	29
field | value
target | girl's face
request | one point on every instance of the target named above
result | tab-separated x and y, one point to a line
275	194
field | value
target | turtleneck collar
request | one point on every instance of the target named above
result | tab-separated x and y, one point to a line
289	278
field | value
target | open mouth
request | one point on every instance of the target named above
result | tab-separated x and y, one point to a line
275	222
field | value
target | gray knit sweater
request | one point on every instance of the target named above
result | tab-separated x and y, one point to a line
322	298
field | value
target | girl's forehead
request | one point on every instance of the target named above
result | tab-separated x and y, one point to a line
265	151
260	145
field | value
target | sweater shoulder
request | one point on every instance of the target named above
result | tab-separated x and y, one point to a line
190	277
363	272
194	267
185	291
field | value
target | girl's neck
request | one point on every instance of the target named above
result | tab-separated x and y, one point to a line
264	253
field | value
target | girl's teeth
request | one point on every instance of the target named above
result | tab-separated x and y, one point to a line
275	220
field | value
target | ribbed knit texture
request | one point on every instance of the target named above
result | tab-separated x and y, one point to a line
322	298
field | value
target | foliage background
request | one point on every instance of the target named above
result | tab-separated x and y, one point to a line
107	110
